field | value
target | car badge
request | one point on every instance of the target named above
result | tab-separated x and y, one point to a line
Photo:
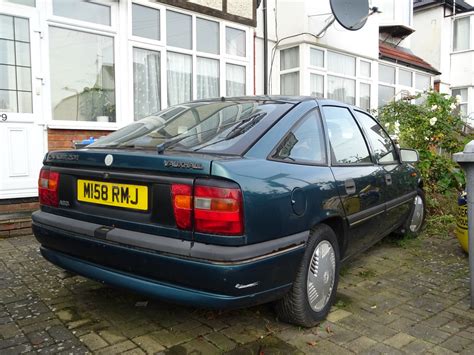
109	159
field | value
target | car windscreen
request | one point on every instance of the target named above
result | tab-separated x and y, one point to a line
198	126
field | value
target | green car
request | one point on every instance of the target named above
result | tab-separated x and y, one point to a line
230	202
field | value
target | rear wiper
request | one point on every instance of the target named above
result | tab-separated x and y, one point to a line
160	148
120	146
244	125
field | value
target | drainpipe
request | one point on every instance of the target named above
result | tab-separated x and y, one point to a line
265	48
254	63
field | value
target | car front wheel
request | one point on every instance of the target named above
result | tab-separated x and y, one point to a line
416	218
314	289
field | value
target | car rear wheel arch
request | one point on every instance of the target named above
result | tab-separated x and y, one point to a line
337	224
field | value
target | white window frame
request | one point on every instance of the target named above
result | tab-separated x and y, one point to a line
371	97
92	28
144	40
85	24
163	48
305	60
314	67
291	70
468	89
140	45
399	88
410	88
471	39
359	66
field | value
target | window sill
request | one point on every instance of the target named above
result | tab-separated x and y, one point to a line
90	126
462	51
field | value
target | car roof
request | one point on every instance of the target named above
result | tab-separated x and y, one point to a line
281	98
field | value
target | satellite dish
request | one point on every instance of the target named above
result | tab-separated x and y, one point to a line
351	14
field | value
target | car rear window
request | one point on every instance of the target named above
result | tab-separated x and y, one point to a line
199	126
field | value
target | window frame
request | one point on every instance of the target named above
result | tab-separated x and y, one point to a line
95	125
371	88
162	47
323	71
296	69
317	73
310	66
462	102
371	148
137	45
145	40
62	20
329	148
470	39
125	41
296	125
34	71
400	88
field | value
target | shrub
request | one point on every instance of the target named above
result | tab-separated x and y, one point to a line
434	127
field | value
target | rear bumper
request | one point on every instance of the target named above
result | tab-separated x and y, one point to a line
163	291
171	277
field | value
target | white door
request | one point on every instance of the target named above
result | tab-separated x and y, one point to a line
22	136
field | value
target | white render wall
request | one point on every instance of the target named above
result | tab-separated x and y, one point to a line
433	41
296	16
309	16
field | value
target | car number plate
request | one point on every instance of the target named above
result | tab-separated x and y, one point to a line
113	194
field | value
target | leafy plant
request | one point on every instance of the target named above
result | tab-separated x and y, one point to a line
434	127
97	101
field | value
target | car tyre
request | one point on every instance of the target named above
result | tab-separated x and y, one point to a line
314	289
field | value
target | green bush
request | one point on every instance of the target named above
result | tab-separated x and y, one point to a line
434	127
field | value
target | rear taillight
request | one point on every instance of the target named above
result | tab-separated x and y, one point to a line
214	210
48	187
182	197
218	210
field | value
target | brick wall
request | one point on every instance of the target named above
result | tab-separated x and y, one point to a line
62	138
18	205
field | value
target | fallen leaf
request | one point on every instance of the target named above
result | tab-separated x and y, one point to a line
329	330
374	306
312	343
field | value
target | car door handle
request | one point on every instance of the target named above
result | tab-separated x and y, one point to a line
350	186
388	179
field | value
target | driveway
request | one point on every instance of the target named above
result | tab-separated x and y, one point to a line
399	297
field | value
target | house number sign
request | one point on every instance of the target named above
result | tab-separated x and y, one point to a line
3	116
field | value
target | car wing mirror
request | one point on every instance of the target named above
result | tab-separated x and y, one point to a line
409	155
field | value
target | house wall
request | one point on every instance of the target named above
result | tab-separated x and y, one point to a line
395	12
433	40
430	25
59	119
59	91
63	139
307	19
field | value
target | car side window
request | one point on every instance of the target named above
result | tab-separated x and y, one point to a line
347	142
304	143
382	146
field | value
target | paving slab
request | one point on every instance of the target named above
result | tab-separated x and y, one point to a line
391	299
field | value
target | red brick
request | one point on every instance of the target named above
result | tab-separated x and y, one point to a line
7	226
22	231
24	224
63	138
19	207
